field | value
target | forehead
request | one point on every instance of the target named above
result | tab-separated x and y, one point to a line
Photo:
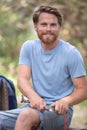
47	17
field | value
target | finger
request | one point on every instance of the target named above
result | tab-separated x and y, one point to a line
63	110
42	108
59	109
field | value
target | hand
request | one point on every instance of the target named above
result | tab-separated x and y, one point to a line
38	103
60	106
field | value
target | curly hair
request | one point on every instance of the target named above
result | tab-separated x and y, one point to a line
47	9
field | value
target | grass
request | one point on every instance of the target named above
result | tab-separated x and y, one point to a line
83	104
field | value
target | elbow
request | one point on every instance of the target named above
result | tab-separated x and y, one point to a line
19	83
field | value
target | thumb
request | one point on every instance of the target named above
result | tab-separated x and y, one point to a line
52	105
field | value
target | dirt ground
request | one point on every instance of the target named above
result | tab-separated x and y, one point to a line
79	118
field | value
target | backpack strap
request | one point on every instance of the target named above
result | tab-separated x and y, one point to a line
4	102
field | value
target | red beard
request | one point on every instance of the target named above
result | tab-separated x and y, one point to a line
47	38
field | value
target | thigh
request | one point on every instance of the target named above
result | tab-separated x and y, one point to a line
8	118
53	121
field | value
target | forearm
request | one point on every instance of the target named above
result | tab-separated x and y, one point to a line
76	97
35	100
26	88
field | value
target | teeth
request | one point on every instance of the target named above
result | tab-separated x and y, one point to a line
48	35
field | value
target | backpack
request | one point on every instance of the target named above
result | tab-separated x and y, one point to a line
8	98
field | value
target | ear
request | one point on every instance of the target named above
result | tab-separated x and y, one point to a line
59	28
35	27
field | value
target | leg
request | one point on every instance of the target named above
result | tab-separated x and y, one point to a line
27	120
33	119
53	121
8	118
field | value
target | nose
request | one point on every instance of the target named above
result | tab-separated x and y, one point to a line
48	27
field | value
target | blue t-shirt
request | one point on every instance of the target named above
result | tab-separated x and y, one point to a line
53	70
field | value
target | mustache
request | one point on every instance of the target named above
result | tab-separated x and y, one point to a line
48	33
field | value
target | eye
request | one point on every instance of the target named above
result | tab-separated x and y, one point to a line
53	24
43	24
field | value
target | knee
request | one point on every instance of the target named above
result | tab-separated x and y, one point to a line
31	116
25	114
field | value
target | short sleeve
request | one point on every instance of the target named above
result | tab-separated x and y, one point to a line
76	65
24	57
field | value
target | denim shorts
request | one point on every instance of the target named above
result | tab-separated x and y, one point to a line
49	120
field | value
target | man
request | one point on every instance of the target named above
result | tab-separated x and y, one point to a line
58	77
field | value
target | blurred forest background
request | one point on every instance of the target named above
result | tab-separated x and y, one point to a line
16	27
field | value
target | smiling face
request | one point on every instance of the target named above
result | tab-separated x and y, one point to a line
47	28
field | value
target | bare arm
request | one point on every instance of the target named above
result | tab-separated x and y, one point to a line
24	85
79	95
